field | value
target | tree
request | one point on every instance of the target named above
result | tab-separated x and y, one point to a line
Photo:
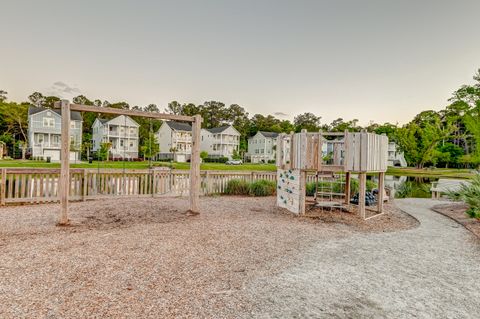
153	108
3	96
174	108
150	146
103	153
308	121
14	117
203	155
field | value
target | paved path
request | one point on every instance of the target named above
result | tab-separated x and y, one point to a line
432	271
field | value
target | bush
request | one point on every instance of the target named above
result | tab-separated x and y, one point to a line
237	187
337	187
262	188
470	194
412	189
271	161
215	160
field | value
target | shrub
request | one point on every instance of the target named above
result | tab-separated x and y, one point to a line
237	187
470	194
215	159
337	187
412	189
262	188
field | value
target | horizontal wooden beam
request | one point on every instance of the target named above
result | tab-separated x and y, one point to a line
111	110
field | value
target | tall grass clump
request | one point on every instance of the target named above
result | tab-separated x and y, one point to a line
410	189
470	194
262	188
237	187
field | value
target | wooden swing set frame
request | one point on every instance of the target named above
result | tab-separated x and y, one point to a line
64	180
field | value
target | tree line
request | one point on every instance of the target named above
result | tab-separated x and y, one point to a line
446	138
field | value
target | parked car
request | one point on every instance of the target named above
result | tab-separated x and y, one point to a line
234	162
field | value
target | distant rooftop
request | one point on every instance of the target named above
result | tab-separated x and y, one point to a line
179	126
74	115
218	129
269	134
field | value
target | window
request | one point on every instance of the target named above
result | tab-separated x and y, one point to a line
72	124
48	122
131	144
121	143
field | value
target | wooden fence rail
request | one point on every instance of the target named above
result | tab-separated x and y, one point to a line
40	185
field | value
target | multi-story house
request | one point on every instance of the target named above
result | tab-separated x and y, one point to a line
395	157
45	131
122	134
262	146
220	141
175	141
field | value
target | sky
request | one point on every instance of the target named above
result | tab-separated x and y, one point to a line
381	61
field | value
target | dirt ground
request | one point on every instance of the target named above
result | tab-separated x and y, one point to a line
456	211
144	257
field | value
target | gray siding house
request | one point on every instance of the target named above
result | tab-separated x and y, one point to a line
45	130
175	141
121	132
262	146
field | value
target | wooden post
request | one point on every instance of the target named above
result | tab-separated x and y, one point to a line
64	180
347	188
362	179
85	185
3	187
381	190
302	198
195	165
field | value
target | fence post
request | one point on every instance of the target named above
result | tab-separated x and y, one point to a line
207	183
85	185
154	183
3	187
252	177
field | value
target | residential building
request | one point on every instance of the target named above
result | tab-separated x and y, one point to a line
122	134
262	147
220	141
175	141
45	133
395	157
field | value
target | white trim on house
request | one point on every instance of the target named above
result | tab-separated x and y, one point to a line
395	157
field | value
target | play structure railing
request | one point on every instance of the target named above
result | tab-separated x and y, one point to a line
333	151
41	185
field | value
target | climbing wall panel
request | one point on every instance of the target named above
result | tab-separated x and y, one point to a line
289	190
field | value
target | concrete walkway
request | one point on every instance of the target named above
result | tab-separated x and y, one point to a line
432	271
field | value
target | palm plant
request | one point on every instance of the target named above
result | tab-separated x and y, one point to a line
470	194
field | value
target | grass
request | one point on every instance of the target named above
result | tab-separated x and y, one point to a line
409	171
431	173
140	165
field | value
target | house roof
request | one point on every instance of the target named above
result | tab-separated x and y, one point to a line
179	126
218	129
269	134
74	115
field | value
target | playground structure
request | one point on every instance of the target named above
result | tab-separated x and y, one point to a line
65	177
333	157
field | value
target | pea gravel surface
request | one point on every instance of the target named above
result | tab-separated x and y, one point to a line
241	257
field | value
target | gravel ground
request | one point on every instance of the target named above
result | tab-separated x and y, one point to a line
457	212
426	272
241	257
131	258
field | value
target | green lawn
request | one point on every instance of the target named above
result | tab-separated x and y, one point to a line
434	173
141	165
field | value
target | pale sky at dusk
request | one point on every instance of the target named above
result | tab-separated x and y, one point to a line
370	60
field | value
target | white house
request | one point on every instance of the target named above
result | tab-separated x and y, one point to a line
45	133
395	157
220	141
121	132
262	146
175	141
